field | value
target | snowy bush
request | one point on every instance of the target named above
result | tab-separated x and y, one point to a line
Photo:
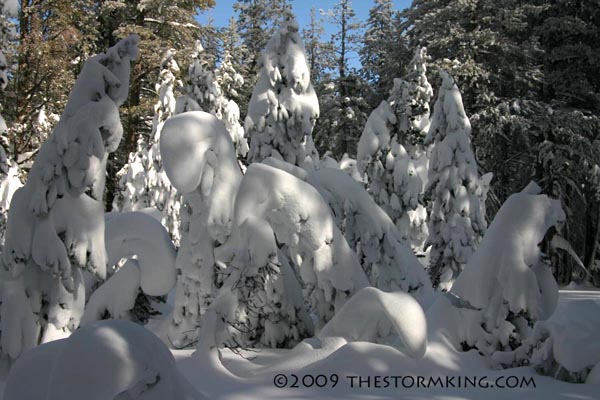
457	218
392	155
567	350
56	221
507	284
142	181
106	360
284	107
302	222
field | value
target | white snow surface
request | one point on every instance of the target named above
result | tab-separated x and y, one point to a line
372	315
106	360
226	375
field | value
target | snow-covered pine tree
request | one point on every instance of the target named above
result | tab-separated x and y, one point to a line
231	71
284	106
56	221
319	53
267	303
204	93
507	284
142	181
392	154
199	158
457	218
9	170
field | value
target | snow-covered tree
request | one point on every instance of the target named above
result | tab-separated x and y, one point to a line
9	170
507	284
457	218
231	71
392	154
199	159
55	226
284	107
204	94
319	53
267	305
142	181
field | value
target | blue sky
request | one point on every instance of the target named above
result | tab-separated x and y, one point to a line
224	10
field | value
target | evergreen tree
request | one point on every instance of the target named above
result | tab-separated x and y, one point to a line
162	25
284	107
383	52
142	181
231	71
319	54
257	21
344	105
392	154
457	218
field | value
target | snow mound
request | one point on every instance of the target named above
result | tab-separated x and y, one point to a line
371	315
106	360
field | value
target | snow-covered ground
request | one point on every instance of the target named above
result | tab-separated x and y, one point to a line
253	375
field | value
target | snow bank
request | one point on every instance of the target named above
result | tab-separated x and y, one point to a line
105	360
372	316
506	286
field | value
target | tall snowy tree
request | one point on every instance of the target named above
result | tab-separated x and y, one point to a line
392	154
257	22
143	182
284	107
162	25
56	221
203	92
457	218
343	99
383	51
319	53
